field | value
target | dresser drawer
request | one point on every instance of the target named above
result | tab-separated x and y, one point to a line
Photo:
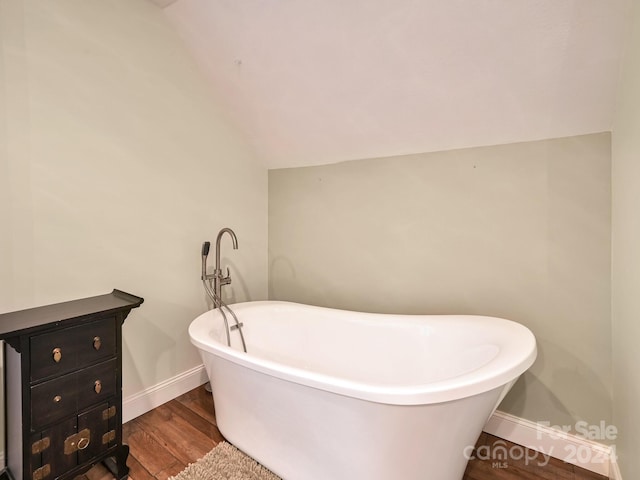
68	349
66	395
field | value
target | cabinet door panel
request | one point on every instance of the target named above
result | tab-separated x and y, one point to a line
55	456
97	422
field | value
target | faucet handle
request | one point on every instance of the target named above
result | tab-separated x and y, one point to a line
225	280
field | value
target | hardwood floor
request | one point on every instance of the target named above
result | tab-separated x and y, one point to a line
165	440
536	467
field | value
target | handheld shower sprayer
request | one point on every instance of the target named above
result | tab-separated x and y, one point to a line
205	254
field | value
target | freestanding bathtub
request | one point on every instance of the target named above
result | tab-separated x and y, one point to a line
326	394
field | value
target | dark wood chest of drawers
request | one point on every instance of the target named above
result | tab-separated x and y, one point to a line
63	388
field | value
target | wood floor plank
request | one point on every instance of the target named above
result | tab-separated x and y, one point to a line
172	471
195	420
520	464
201	402
176	435
137	470
152	454
127	428
529	461
582	474
99	472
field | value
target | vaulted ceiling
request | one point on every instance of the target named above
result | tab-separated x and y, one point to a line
312	82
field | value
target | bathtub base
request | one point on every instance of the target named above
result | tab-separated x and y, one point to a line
303	433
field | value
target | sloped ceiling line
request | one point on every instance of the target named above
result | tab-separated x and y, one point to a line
314	82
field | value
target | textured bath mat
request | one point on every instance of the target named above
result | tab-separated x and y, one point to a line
225	462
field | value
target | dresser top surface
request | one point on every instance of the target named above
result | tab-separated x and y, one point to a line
24	321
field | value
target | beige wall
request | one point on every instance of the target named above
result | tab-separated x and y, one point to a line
626	259
115	165
519	231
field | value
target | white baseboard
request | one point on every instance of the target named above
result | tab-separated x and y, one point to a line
152	397
570	448
614	473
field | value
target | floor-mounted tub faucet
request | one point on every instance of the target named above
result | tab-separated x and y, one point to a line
215	292
218	279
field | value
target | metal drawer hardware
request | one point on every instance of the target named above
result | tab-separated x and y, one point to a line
57	398
77	441
57	355
42	472
109	413
40	445
97	386
97	343
110	436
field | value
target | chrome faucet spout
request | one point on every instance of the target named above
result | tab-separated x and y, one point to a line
234	239
218	278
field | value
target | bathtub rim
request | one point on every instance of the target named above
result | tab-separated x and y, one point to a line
466	385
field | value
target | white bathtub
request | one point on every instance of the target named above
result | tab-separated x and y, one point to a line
327	394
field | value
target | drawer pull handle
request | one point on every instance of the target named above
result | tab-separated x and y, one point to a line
57	398
77	441
57	355
97	386
97	343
